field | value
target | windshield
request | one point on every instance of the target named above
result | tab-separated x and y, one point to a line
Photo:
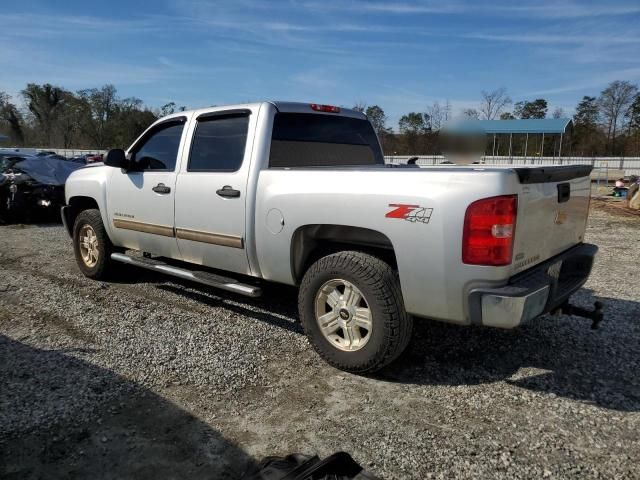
7	162
312	140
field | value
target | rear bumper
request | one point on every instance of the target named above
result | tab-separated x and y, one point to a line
534	292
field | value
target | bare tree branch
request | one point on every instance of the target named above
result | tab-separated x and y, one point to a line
493	103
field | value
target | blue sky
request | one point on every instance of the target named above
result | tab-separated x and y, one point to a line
401	55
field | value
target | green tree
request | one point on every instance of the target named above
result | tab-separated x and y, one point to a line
377	117
413	123
587	112
414	129
378	120
535	109
70	120
633	114
614	102
45	103
168	109
11	119
130	118
586	137
633	122
99	107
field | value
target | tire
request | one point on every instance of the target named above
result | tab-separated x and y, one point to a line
353	347
89	224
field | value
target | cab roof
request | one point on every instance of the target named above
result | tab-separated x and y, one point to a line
281	106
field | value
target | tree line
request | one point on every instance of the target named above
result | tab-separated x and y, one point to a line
603	125
92	118
51	116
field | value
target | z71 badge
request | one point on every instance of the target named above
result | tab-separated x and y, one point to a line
410	213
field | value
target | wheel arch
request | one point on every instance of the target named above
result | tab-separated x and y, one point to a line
76	205
311	242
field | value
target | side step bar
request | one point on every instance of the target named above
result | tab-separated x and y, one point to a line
206	278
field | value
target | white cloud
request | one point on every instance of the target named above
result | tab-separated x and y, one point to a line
545	9
568	9
28	25
551	38
596	81
315	80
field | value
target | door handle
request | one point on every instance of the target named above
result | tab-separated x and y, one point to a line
228	191
161	188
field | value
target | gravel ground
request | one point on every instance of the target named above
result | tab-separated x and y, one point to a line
148	377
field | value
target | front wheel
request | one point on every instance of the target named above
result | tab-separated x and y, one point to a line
91	245
351	308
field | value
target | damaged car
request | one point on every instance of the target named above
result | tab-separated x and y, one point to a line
32	187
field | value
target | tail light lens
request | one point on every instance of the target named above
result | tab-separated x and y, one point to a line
489	228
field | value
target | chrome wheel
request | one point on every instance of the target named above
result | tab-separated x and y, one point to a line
88	246
343	315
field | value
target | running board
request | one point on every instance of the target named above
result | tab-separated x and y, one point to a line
206	278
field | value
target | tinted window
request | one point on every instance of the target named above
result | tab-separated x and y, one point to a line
311	140
160	150
218	144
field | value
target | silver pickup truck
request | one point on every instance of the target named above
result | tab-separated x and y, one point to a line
299	194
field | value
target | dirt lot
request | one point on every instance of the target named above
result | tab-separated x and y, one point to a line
152	378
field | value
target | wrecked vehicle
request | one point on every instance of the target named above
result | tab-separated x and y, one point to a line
87	158
32	187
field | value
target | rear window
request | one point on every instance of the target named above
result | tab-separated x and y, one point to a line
312	140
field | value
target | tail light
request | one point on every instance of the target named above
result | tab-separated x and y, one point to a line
489	228
325	108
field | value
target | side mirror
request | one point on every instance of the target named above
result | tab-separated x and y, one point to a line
116	158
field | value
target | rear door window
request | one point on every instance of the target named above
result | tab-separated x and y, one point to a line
219	143
314	140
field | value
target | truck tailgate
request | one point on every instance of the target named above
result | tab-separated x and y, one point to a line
553	206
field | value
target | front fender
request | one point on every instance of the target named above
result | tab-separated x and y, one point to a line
88	183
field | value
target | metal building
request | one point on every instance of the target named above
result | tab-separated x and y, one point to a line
556	128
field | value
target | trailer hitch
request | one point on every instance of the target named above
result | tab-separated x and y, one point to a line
596	315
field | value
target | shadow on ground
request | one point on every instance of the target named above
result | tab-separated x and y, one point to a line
21	226
279	311
578	363
62	417
277	305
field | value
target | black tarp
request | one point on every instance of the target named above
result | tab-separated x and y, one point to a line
48	171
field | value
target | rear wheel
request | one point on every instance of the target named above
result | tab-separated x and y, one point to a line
91	245
351	308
